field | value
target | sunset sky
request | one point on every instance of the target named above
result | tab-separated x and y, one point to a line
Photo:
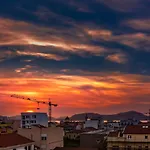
86	55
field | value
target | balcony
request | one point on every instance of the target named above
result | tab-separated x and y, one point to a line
123	139
116	139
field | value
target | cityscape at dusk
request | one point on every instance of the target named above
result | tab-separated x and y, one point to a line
84	55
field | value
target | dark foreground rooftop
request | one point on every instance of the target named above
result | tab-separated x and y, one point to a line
13	139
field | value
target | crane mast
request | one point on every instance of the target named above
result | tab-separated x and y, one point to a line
50	104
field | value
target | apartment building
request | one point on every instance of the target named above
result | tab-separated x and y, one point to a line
46	138
32	118
134	137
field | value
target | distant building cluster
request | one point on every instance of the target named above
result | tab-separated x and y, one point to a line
34	132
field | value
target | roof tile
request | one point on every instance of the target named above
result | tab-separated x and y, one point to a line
13	139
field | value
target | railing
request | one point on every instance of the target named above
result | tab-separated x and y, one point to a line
123	139
116	139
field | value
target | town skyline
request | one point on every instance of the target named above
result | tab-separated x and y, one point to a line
86	56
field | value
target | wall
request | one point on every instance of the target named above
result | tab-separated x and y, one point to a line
136	141
91	140
72	135
54	136
41	118
137	137
91	123
19	147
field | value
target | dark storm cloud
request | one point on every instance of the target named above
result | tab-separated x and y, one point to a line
79	37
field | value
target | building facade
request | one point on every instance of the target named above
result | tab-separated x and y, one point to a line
46	138
73	135
135	137
28	119
92	123
93	140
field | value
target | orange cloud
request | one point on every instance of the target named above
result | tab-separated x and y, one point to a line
44	55
133	39
139	24
76	92
23	33
118	58
100	33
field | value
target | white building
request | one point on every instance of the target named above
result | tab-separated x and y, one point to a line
15	141
33	118
92	123
46	138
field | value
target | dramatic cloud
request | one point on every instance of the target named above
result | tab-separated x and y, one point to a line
124	5
118	58
99	92
87	55
139	24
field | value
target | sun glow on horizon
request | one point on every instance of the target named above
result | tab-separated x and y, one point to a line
30	111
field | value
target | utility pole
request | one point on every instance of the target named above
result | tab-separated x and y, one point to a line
148	114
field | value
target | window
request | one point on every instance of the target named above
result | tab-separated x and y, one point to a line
129	136
145	127
29	147
146	147
129	148
98	141
43	138
23	117
27	116
33	116
23	122
34	121
146	137
27	121
115	148
140	148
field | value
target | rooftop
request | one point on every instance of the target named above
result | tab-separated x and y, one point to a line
114	134
33	113
97	132
13	139
39	126
137	129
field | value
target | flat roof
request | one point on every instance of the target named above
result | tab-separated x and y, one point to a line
97	132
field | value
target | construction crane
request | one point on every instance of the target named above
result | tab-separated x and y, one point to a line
50	104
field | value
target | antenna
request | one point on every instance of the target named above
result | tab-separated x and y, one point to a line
148	114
